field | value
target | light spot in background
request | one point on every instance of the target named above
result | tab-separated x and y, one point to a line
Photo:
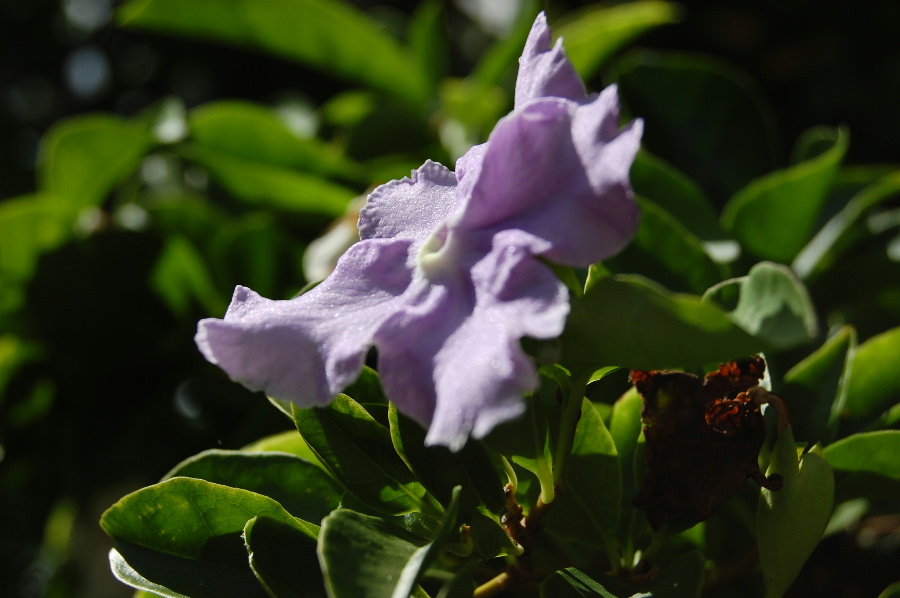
87	72
185	403
494	16
132	217
86	15
299	115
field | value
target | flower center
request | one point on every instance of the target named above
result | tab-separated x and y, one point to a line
433	255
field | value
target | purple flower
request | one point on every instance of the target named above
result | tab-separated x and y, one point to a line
448	275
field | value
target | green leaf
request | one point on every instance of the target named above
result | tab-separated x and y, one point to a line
817	389
682	578
589	502
503	55
875	380
873	452
266	185
678	195
29	226
702	116
83	157
168	575
625	429
286	442
630	322
667	252
775	215
440	470
250	250
257	134
592	36
283	559
364	557
303	489
357	450
181	277
773	305
428	43
330	35
193	519
845	228
791	521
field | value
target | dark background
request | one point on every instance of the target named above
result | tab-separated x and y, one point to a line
128	386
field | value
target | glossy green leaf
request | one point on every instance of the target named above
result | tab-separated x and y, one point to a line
304	490
82	158
702	116
592	36
286	442
588	505
816	389
875	380
283	559
631	322
682	578
873	452
845	228
775	215
29	226
773	305
666	251
266	185
163	574
257	134
357	450
791	521
365	557
192	518
332	36
440	470
181	277
625	429
678	195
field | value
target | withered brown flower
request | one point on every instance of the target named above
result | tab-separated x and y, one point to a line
703	440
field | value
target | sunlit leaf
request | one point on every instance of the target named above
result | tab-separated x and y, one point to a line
330	35
595	34
303	489
82	158
874	452
875	379
775	215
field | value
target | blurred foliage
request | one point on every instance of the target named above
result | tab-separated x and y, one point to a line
215	156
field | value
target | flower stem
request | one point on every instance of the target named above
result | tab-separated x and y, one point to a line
570	416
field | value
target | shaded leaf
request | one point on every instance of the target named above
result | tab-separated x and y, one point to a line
283	559
589	506
172	576
774	216
593	35
630	322
332	36
181	277
816	388
440	470
357	450
303	489
773	305
694	97
791	521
